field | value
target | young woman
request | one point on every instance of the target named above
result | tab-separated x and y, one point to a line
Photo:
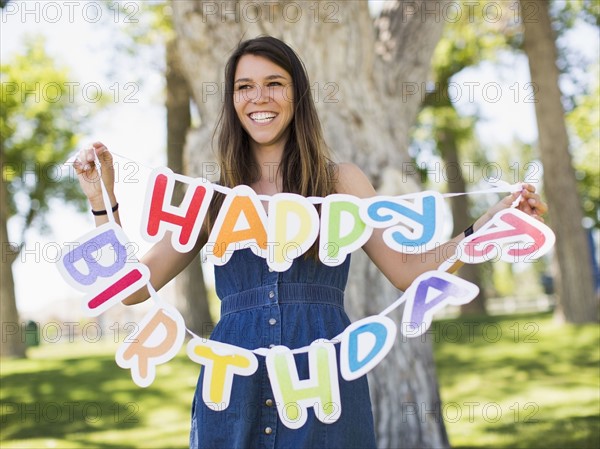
270	138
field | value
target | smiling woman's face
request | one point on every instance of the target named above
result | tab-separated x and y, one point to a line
263	100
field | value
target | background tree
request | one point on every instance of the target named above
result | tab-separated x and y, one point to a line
153	36
191	298
466	42
38	124
578	302
363	71
585	134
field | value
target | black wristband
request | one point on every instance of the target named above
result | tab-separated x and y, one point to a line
469	231
98	213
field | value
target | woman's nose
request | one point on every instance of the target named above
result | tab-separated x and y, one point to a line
262	95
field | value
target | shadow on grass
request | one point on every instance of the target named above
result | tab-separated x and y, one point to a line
573	432
545	373
52	403
73	399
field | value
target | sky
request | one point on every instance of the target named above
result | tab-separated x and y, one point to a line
133	123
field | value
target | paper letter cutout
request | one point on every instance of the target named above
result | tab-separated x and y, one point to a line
293	226
221	361
100	267
241	223
430	292
423	215
158	339
342	229
293	396
364	344
185	221
512	235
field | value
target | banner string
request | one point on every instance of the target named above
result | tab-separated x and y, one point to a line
105	197
498	187
159	302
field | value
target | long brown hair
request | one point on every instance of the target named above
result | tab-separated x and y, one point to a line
306	167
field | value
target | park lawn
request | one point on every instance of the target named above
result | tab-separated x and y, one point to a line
506	382
520	381
73	395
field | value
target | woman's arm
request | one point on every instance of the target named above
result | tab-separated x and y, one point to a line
402	269
162	259
164	263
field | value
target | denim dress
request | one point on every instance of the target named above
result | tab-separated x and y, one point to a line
261	308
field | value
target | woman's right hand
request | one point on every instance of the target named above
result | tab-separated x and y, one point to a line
89	179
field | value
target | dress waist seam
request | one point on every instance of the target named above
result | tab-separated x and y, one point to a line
287	293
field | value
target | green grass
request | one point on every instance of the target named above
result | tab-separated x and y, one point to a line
75	396
506	382
519	382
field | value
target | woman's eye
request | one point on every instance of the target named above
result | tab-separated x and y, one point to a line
243	86
274	83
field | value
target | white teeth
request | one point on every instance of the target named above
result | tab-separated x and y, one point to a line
262	117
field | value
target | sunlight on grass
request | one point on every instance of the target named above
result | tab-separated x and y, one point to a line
506	382
521	381
75	396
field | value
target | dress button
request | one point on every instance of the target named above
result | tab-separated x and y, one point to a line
268	430
270	270
271	294
269	402
272	321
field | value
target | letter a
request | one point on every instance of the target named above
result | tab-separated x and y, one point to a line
241	223
430	292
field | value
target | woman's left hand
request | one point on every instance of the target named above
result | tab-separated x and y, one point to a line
531	203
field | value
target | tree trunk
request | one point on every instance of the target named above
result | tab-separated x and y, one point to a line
366	80
447	143
191	297
12	343
460	214
577	301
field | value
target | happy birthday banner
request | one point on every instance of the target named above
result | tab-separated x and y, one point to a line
101	268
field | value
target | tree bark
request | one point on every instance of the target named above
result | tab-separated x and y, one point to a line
448	146
191	298
12	343
577	301
363	76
